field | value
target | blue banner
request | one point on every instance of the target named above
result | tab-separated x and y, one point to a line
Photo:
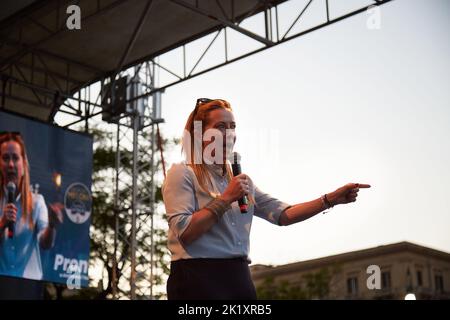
50	241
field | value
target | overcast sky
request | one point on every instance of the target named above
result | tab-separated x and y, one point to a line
343	104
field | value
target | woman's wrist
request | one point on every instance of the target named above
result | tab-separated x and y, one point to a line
225	199
325	205
218	207
328	201
331	197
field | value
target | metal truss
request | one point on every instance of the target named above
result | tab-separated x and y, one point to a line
134	194
43	96
135	188
268	33
269	24
272	37
136	211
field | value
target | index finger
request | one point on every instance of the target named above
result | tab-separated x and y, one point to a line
362	185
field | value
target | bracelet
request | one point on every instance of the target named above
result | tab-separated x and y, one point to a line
218	207
326	202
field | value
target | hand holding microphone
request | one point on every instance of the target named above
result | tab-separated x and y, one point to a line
238	187
10	210
236	167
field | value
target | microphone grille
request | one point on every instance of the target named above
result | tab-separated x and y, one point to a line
236	157
11	186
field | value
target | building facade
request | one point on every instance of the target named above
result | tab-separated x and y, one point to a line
384	272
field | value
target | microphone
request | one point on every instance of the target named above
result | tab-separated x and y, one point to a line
11	193
236	167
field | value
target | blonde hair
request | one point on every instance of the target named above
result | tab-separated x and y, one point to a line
200	113
24	187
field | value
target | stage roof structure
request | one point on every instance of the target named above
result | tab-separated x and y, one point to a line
48	69
43	62
39	50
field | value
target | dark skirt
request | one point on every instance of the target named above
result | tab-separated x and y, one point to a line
210	279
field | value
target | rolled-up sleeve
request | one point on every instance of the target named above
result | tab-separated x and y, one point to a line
268	207
179	198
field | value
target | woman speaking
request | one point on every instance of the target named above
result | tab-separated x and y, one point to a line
208	234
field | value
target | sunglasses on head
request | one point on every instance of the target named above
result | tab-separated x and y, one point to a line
199	102
202	101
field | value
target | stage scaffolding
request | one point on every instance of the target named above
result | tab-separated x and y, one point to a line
42	83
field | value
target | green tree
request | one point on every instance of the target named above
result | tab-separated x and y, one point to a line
315	285
103	226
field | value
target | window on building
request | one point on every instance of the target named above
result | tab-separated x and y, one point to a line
439	283
419	278
385	280
352	285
